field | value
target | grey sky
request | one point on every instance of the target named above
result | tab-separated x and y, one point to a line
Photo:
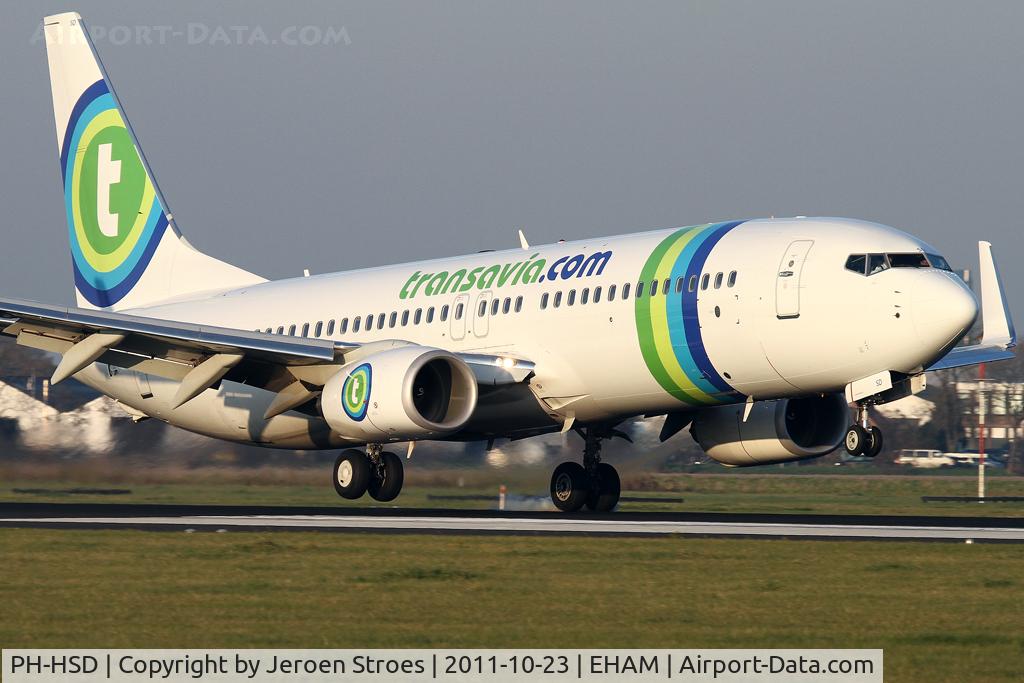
442	127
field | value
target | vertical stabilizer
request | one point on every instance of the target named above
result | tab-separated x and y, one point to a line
126	249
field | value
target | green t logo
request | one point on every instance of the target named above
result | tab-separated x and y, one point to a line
108	172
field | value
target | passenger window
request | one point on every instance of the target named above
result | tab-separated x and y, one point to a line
369	322
507	307
543	301
417	316
291	330
679	285
571	299
344	326
857	263
625	291
458	311
380	321
654	287
330	327
732	278
692	286
877	263
430	314
319	328
519	304
481	309
305	329
639	289
718	281
280	330
405	318
611	292
665	286
585	295
393	319
355	324
705	281
558	299
444	313
495	304
597	295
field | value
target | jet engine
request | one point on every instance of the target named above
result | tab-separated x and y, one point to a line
775	431
401	394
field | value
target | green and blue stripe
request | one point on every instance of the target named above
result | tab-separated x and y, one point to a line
668	326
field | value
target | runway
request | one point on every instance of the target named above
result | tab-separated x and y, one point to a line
392	520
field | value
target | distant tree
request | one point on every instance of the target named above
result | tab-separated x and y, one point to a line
949	409
1011	372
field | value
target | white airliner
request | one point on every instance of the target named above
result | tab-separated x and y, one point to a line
767	337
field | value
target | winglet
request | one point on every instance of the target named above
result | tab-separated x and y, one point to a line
522	240
997	325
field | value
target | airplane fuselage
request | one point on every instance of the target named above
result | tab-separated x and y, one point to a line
637	324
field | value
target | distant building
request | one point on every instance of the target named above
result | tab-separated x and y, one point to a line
70	417
913	408
1004	412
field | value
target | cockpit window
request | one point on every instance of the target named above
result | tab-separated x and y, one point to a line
877	263
908	261
939	262
869	264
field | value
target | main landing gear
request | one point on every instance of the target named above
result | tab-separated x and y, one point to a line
863	439
377	472
594	484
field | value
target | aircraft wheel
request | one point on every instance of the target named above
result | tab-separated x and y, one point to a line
351	474
570	486
605	496
874	442
386	479
857	440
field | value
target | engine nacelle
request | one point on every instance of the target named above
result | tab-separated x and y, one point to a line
401	394
776	431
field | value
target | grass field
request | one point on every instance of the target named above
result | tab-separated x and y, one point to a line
803	493
942	612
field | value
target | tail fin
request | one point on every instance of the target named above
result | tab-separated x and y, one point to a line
126	249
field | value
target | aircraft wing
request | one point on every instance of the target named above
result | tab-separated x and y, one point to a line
200	355
998	334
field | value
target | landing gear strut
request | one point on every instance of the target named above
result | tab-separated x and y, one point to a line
862	438
594	483
377	472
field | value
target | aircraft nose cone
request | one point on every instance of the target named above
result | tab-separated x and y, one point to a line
944	310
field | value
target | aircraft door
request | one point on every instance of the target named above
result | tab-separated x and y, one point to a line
481	314
787	282
459	314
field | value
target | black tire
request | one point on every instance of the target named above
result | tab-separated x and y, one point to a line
856	440
570	486
874	442
605	496
386	480
351	474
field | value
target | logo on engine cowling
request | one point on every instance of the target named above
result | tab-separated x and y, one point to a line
355	393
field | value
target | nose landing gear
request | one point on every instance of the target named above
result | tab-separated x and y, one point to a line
377	472
593	484
863	439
